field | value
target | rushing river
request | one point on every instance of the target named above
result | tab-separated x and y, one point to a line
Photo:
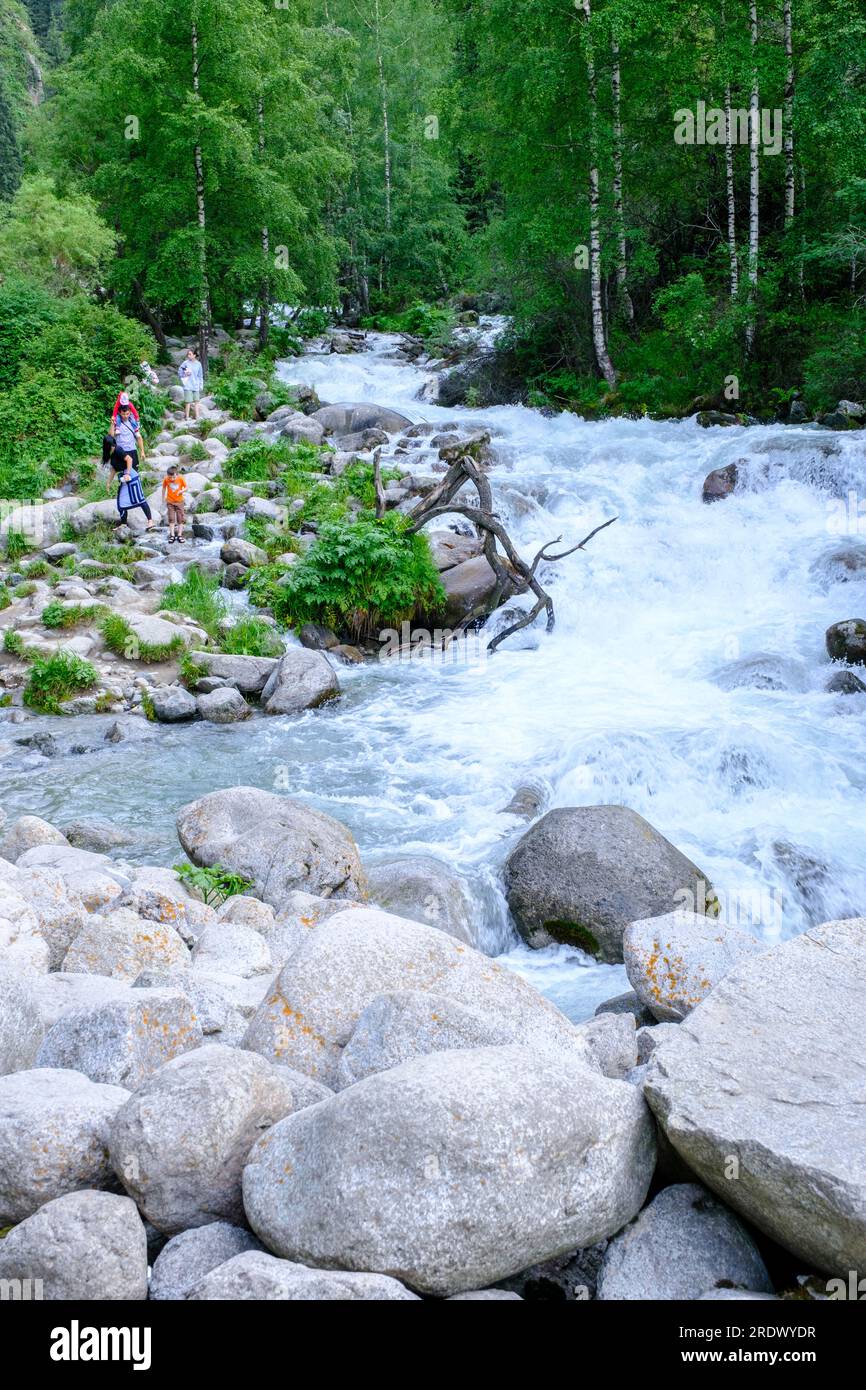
645	693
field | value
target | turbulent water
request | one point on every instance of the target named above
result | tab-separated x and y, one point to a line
648	692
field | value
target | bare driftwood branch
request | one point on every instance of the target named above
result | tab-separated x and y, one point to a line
510	570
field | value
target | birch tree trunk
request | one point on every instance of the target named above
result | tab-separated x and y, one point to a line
789	112
621	265
602	356
754	176
265	289
732	206
386	134
204	289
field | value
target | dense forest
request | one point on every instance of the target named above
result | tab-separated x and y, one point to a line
668	201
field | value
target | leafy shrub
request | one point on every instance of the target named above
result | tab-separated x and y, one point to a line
426	321
26	309
361	576
214	884
251	637
836	369
55	678
197	453
46	424
198	596
92	344
311	323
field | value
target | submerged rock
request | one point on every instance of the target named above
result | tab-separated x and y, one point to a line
582	874
846	641
302	679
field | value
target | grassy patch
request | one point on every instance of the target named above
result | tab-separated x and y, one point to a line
120	638
250	637
57	614
13	642
17	545
55	678
199	597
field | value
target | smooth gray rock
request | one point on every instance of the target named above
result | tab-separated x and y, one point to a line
122	944
28	832
59	908
262	1277
583	873
302	679
684	1244
179	1143
344	963
86	1245
21	1027
627	1003
53	1138
343	418
396	1027
172	704
240	552
469	588
123	1041
247	674
473	1165
426	890
188	1257
760	1090
279	844
234	949
225	706
673	962
485	1296
223	1004
248	912
97	834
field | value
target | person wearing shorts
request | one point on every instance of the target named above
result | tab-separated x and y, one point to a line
173	489
192	381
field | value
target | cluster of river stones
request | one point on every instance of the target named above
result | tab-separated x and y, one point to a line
321	1089
230	688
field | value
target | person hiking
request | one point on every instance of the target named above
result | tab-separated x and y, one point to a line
173	489
130	494
127	433
109	441
192	381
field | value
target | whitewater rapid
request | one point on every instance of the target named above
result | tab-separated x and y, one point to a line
633	699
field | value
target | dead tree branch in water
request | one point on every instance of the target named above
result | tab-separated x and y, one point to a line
512	573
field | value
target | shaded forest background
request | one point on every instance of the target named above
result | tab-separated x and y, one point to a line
165	167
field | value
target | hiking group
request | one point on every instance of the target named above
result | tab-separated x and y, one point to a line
123	450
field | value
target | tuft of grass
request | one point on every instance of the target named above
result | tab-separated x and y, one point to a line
5	600
120	638
13	642
197	453
24	590
55	678
198	596
56	614
17	545
250	637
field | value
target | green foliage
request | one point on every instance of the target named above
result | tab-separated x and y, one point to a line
213	884
17	545
45	425
311	323
13	642
259	461
93	345
197	595
197	453
57	614
24	590
5	600
836	368
120	638
361	576
240	378
26	309
55	678
62	242
427	321
251	637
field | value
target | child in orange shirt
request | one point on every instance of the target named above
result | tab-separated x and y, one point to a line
173	488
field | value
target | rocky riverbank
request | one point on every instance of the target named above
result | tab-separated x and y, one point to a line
317	1088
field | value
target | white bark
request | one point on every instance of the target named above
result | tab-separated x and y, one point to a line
732	205
621	261
204	289
386	135
789	112
754	175
265	292
602	356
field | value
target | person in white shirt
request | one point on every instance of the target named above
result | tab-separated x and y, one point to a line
192	381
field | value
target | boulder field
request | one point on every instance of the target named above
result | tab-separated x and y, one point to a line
318	1088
